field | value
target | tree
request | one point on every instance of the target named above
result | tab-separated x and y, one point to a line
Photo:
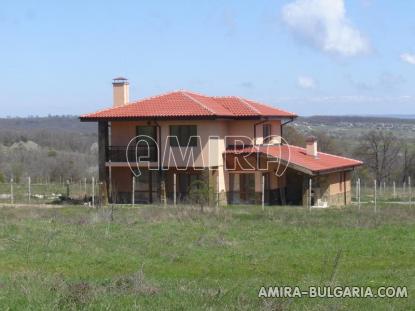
325	143
200	193
408	161
292	136
379	151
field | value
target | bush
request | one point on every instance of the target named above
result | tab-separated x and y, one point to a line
201	194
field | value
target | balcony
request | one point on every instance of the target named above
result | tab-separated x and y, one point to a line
121	154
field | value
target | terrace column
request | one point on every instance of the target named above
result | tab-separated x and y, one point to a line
102	158
258	187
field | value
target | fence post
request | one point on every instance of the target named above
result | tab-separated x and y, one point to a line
67	189
410	191
11	191
358	192
375	195
133	192
263	192
217	189
85	187
404	189
174	189
357	188
310	184
93	192
29	184
394	190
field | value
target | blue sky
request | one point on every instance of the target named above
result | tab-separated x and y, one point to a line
306	56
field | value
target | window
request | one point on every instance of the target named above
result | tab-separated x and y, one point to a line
182	135
147	145
266	132
147	132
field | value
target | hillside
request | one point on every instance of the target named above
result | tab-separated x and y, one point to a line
58	147
47	148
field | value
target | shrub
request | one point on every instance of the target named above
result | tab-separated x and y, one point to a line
201	194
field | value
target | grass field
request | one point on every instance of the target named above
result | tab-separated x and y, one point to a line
150	258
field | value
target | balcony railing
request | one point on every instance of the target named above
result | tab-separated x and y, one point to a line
142	153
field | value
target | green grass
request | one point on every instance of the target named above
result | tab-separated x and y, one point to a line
179	259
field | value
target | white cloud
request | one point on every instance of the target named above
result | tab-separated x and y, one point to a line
324	24
306	82
408	57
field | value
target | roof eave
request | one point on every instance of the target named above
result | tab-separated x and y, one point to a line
207	117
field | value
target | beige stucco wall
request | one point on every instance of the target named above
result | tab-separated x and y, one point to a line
333	189
209	152
246	128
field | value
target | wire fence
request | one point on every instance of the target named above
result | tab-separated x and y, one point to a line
87	191
382	192
26	192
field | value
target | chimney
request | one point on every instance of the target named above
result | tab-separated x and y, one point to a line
311	146
121	92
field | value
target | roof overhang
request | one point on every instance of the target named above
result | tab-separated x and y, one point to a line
183	118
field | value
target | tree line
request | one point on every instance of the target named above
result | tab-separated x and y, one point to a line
386	156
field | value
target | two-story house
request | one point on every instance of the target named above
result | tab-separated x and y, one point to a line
152	146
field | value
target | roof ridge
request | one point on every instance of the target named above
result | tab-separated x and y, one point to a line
269	106
329	154
248	105
155	96
341	157
197	102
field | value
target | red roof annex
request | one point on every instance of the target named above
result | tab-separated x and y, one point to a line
187	104
298	156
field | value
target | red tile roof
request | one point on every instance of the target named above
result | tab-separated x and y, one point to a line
187	104
297	156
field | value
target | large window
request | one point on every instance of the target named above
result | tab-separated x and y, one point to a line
266	132
147	144
148	133
183	135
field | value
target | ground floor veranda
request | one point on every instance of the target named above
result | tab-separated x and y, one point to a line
233	187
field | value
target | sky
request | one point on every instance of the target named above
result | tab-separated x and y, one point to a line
326	57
